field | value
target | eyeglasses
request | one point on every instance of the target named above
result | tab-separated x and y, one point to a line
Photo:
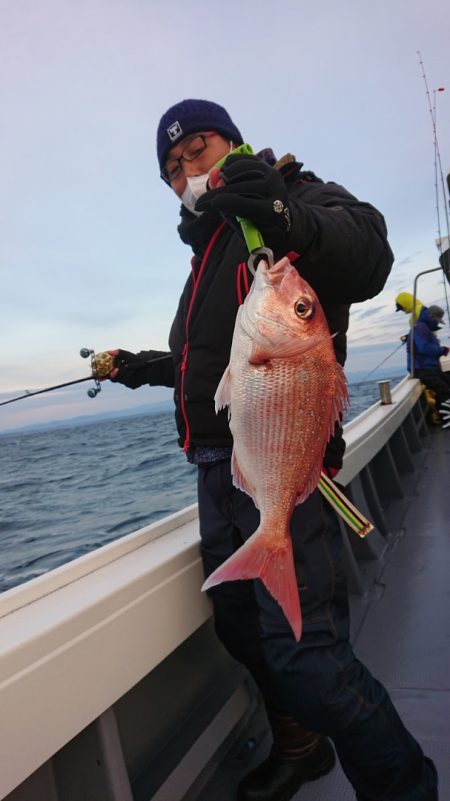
190	152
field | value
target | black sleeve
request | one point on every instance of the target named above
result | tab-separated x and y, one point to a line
134	370
157	368
341	240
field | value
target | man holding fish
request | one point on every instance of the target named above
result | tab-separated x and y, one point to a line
256	363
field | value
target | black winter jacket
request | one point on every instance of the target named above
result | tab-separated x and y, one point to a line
341	250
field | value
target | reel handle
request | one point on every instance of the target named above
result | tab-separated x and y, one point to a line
101	365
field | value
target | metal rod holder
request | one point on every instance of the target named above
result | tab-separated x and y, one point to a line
385	392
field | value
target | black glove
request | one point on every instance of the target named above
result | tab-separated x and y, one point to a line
133	368
256	191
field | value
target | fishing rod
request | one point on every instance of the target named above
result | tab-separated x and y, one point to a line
437	154
444	258
101	366
438	169
384	360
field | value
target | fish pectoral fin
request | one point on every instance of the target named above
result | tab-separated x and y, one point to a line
222	397
260	354
275	567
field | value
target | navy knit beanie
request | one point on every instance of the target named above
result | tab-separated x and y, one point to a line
193	116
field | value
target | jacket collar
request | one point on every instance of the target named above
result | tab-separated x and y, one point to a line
197	231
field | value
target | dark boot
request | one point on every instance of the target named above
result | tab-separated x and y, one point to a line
296	756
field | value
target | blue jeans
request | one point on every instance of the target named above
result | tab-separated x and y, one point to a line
318	681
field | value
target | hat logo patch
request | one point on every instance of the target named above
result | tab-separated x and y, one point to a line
174	131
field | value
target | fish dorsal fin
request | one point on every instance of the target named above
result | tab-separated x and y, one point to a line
222	397
340	401
339	406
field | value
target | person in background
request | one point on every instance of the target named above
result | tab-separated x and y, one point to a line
427	351
405	302
314	689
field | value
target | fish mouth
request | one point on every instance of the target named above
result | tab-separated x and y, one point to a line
275	274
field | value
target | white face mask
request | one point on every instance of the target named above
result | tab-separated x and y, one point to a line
196	186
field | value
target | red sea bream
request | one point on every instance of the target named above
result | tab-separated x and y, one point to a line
285	392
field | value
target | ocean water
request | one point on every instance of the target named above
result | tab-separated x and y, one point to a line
66	491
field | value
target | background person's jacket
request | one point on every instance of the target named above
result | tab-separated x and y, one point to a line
426	347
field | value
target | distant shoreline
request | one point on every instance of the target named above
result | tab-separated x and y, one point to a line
160	407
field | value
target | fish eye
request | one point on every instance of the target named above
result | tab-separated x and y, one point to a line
303	308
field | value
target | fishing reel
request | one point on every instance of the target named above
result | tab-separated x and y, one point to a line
101	366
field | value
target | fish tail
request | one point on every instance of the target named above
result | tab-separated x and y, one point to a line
275	568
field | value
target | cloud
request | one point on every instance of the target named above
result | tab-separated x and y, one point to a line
364	313
408	259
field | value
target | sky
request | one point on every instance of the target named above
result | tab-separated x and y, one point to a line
89	253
